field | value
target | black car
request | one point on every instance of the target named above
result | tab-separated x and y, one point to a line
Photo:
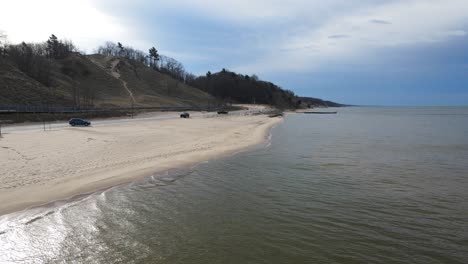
185	115
223	112
78	122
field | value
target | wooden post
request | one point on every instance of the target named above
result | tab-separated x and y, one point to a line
3	122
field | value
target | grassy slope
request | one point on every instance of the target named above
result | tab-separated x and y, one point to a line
94	75
152	88
16	88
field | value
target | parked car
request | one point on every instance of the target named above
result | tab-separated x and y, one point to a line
79	122
185	115
223	112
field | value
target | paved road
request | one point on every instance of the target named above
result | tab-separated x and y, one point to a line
144	117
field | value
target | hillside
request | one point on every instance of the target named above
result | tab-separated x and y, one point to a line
95	81
233	87
53	73
240	88
148	87
17	88
316	102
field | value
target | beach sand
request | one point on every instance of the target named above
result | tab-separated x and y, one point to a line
38	167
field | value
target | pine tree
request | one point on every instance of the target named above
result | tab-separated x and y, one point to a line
121	48
52	47
154	57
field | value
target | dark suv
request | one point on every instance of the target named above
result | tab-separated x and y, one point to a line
185	115
79	122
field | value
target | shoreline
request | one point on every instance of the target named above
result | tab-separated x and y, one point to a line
118	154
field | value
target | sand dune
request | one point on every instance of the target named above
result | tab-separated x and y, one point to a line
38	167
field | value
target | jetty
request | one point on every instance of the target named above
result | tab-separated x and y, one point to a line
321	113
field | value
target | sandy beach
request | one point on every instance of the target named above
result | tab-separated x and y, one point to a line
38	167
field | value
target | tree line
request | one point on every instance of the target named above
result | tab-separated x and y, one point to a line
226	85
36	60
232	87
152	59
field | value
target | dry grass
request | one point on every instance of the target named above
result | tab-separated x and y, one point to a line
92	77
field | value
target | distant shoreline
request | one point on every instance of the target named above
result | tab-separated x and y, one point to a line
42	167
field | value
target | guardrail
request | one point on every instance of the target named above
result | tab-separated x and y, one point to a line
52	109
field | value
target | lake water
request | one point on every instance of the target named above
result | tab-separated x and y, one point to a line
369	185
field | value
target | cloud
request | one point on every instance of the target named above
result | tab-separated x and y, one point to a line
338	36
306	34
78	20
309	33
245	13
413	23
456	33
378	21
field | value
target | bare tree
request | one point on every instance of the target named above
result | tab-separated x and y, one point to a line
172	67
3	41
159	62
31	59
111	49
190	78
108	49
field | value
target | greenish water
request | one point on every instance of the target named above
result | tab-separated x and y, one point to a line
369	185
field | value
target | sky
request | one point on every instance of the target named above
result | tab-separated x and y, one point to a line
367	52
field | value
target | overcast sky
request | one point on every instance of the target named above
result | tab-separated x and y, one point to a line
378	52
